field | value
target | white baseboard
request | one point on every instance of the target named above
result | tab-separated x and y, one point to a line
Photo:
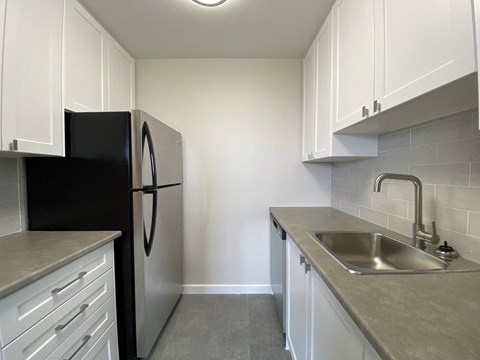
226	289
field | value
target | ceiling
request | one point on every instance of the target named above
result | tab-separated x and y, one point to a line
152	29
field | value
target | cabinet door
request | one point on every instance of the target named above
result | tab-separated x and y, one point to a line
2	28
87	335
436	48
476	9
370	353
106	348
309	105
354	60
32	111
333	335
324	82
121	81
85	60
297	290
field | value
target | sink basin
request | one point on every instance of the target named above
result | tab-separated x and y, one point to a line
375	253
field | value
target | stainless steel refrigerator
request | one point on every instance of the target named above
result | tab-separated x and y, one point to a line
123	171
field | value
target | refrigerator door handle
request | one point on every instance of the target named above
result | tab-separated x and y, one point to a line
148	240
146	134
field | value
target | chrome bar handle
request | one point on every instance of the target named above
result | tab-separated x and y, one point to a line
376	106
302	260
78	278
84	342
62	326
364	111
308	267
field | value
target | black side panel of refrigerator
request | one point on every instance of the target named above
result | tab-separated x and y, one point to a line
89	189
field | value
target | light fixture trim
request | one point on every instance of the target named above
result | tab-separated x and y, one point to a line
211	4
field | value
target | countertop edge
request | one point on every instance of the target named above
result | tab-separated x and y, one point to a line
27	280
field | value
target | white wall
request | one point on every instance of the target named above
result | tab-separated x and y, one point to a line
241	124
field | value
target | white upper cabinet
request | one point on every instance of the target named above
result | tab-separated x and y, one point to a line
99	73
396	52
324	92
354	61
420	46
2	28
309	107
121	78
32	111
319	143
86	52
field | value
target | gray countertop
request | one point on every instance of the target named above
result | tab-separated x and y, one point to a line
30	255
421	316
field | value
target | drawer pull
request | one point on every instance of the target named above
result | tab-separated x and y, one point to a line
79	277
302	260
84	342
62	326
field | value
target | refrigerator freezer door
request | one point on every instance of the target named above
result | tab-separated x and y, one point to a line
166	145
159	276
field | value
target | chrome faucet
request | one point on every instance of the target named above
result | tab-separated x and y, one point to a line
419	235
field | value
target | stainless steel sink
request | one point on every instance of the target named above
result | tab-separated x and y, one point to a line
375	253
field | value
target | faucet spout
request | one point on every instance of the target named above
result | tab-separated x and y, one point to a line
418	190
419	235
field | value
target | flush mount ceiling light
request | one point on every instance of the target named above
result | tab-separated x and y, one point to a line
209	3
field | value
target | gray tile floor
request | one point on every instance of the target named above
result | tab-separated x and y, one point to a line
222	327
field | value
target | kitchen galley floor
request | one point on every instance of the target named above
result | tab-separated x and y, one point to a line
222	327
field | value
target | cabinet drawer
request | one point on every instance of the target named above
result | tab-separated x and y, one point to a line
26	307
85	337
44	337
106	348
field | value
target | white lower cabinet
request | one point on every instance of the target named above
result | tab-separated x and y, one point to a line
84	339
333	335
370	353
65	314
297	295
106	348
318	327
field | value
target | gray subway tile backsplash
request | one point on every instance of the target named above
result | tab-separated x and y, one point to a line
459	151
474	223
10	225
404	191
10	218
390	206
475	174
466	198
445	155
374	216
9	209
394	140
444	174
453	128
422	154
